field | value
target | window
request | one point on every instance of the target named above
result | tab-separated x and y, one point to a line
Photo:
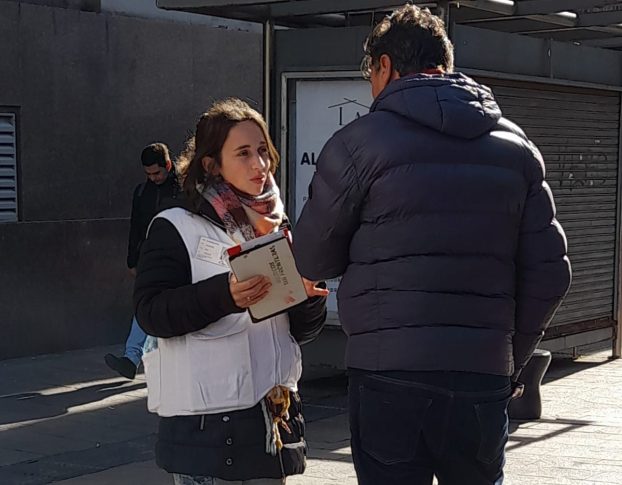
8	168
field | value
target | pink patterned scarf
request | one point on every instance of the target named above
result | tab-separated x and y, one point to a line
246	216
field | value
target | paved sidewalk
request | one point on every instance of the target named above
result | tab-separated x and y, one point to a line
66	419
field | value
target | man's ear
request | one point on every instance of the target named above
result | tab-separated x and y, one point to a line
169	165
385	69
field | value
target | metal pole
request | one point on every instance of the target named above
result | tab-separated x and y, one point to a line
616	347
268	56
443	11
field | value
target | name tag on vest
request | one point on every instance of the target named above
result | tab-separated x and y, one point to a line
212	251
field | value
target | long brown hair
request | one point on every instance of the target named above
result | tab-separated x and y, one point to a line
211	132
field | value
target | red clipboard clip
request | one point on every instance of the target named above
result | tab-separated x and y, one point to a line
234	251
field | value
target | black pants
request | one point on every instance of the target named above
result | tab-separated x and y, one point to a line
410	426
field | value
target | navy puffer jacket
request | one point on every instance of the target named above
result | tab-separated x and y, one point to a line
435	211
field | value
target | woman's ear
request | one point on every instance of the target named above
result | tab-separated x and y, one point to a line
209	165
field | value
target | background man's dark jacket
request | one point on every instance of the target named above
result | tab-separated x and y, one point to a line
147	201
434	209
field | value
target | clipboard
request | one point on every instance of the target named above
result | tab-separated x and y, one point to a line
270	256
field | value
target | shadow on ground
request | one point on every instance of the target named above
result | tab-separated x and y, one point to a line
564	367
31	406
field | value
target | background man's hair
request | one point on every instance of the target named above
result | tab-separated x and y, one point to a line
413	38
156	153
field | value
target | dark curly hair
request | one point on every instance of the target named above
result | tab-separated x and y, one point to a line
413	38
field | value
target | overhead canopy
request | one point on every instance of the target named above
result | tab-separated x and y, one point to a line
588	22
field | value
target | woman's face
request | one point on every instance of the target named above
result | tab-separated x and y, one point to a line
245	158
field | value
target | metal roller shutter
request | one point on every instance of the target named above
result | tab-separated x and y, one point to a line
577	131
8	168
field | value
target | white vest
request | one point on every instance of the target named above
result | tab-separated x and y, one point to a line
230	364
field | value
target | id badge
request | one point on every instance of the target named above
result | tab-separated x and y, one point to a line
211	251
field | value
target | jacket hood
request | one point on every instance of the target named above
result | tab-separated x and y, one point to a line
453	104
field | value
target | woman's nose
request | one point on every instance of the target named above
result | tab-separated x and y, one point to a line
260	162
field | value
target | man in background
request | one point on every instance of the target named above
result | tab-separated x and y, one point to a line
148	199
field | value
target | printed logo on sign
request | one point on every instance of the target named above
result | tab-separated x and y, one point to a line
350	103
347	112
306	160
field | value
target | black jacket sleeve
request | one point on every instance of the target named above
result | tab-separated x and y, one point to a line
306	320
330	216
167	303
133	245
543	269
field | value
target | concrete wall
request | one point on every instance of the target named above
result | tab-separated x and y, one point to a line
148	9
530	56
88	5
90	91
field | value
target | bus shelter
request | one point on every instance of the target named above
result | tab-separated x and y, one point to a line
555	67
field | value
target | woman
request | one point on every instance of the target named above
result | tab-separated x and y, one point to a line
225	388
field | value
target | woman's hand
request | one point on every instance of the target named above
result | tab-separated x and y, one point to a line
313	290
248	292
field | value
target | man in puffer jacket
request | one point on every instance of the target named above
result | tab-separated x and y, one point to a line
434	210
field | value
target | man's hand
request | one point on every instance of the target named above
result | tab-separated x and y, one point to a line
313	290
248	292
132	272
518	388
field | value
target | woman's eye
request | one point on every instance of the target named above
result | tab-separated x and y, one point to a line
263	150
243	153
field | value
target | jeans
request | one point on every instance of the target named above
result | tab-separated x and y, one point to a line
135	343
189	480
408	427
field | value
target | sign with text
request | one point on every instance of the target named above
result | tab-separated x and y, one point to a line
322	108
